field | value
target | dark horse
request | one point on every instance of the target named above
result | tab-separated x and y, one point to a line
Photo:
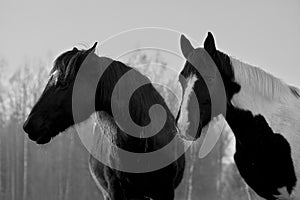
263	157
53	114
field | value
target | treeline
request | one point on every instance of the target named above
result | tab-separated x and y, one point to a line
59	170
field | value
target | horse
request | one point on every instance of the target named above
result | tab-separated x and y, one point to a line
261	110
54	112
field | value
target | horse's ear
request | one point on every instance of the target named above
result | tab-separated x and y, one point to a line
186	46
93	48
209	44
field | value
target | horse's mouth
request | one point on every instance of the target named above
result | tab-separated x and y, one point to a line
43	140
43	137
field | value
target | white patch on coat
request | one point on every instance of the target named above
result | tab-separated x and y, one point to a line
183	121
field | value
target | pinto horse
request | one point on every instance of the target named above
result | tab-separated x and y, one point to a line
263	113
53	113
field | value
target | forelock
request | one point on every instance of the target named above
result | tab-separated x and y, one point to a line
65	64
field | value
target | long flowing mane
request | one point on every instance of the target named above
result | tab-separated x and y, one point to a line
266	84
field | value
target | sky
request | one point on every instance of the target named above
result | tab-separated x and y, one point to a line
262	33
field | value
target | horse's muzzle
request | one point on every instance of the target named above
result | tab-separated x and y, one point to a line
36	130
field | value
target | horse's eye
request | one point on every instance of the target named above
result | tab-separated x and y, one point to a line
62	85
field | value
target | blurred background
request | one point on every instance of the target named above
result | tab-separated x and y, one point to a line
34	33
59	170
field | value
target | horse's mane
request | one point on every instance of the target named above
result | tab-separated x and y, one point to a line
104	133
264	83
68	63
295	91
62	61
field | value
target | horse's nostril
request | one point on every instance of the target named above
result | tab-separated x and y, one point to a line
26	126
33	127
33	124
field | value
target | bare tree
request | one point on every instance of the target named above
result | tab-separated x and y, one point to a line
2	120
25	88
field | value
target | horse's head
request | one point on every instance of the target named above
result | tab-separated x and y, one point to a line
53	111
198	70
199	64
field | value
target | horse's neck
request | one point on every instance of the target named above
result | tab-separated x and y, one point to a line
281	110
278	113
282	117
106	86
